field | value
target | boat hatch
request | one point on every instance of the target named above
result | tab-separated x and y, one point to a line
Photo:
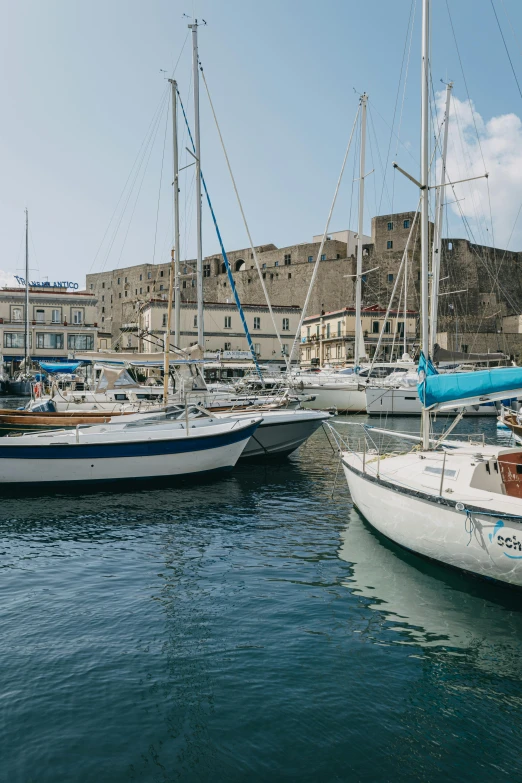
433	470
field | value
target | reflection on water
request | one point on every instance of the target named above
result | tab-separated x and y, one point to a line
251	628
425	605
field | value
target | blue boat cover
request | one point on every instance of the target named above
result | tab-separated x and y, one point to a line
436	389
68	367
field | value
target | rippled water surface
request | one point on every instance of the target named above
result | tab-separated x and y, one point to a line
250	628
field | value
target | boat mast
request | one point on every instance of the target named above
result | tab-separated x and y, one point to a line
199	266
177	259
424	170
405	349
437	233
358	278
26	345
174	253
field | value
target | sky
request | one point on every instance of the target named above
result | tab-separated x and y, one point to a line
85	134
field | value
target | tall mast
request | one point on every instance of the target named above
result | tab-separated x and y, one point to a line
405	336
437	233
199	267
26	347
174	256
358	278
424	164
177	269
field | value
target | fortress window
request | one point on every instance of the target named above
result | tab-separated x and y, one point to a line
406	224
193	283
149	275
263	266
323	257
240	265
184	284
161	289
338	255
276	263
141	278
450	245
161	275
389	245
206	270
364	278
264	275
126	280
119	280
288	259
390	278
390	226
103	285
310	259
289	275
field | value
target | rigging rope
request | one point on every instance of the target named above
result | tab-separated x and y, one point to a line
252	248
225	257
319	252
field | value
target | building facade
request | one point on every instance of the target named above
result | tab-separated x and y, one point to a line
223	331
330	338
60	323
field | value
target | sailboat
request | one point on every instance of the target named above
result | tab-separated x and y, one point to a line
459	503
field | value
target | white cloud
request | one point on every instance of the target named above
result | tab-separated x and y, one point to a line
498	151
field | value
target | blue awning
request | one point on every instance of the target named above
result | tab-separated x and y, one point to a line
67	367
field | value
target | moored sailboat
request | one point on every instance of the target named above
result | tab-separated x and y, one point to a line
458	503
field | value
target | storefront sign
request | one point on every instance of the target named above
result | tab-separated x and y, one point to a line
47	284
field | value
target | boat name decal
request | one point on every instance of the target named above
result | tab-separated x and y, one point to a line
509	542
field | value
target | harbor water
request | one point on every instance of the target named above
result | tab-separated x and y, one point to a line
249	628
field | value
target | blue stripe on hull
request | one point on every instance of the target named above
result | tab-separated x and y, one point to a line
116	450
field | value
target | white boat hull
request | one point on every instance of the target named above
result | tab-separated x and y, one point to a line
345	399
67	459
405	402
280	433
437	530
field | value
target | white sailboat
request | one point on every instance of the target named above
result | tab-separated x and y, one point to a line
128	449
460	504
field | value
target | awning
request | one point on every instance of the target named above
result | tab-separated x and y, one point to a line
66	367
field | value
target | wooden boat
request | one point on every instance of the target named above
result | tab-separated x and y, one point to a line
510	420
29	421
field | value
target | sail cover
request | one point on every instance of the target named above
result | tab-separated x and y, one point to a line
443	355
456	389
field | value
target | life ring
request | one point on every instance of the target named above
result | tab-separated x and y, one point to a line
38	390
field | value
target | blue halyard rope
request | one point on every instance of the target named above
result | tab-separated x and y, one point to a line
223	251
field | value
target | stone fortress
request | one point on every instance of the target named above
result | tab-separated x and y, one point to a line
479	306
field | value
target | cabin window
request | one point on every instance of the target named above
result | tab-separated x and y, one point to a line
120	397
80	342
49	340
